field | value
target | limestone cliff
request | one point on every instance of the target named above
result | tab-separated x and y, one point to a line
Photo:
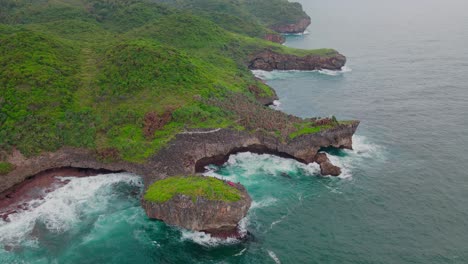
269	60
188	153
219	218
293	28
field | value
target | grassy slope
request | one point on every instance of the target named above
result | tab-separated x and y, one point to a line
194	187
85	73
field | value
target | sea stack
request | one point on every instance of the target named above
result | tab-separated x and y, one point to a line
198	203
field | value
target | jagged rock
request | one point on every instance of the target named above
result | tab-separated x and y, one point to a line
326	167
269	60
219	218
277	38
261	97
295	28
186	154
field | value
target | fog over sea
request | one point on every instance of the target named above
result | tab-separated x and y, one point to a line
403	193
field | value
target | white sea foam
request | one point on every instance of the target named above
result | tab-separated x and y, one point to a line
281	75
274	257
205	239
276	105
240	253
264	203
362	149
61	209
306	32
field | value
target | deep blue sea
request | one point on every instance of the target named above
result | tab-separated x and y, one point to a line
403	194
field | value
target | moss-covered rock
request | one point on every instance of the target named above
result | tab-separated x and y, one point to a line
198	203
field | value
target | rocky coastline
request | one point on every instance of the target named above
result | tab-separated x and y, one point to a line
293	28
189	152
269	60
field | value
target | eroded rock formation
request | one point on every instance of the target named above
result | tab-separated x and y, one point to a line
188	153
219	218
326	167
294	28
277	38
269	60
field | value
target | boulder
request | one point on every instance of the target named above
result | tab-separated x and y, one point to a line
326	167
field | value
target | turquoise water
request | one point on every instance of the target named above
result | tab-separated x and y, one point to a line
403	194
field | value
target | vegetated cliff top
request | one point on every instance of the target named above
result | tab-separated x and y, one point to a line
123	77
195	187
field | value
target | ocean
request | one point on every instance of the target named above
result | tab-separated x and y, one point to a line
403	194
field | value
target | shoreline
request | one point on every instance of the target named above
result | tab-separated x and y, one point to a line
16	199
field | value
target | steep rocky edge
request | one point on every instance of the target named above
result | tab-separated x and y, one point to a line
217	217
269	60
188	153
277	38
294	28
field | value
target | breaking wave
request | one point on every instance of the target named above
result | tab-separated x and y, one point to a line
64	208
281	75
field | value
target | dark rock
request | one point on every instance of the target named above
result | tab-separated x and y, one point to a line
277	38
218	218
294	28
326	167
154	122
261	97
188	153
269	60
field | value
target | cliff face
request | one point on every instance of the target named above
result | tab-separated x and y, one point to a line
294	28
277	38
269	60
215	217
188	153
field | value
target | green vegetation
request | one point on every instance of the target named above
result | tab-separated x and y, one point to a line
309	129
249	17
5	168
85	73
193	186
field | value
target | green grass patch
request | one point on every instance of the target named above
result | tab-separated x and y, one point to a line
194	186
6	168
309	129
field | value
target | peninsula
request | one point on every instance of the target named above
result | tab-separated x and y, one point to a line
159	88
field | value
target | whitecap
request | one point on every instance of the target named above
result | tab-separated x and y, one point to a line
287	74
206	239
240	253
274	257
61	209
276	105
269	201
306	32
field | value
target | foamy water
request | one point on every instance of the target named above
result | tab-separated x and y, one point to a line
282	75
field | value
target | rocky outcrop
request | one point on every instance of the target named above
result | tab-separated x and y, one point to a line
277	38
269	60
219	218
188	153
260	95
326	167
294	28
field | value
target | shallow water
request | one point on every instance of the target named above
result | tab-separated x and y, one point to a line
403	194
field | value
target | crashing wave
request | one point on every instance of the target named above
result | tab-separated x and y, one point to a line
281	75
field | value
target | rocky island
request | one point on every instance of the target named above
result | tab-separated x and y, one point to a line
160	92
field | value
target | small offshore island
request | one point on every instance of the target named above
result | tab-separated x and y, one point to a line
157	88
